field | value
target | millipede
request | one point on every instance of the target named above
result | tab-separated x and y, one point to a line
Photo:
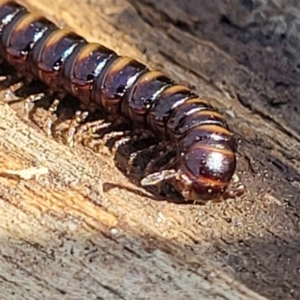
205	161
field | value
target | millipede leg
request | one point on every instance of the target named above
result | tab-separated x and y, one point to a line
86	133
49	121
235	189
165	151
166	173
135	154
4	78
79	132
122	135
14	84
10	96
158	177
88	130
100	144
9	93
75	123
30	100
130	136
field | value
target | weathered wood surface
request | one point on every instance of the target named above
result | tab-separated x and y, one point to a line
82	230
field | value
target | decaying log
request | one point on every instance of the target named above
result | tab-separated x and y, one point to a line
73	226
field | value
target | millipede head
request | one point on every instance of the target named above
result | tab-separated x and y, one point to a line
206	170
203	173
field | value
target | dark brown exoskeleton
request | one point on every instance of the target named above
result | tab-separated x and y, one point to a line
206	156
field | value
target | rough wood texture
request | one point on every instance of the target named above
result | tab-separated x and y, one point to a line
79	229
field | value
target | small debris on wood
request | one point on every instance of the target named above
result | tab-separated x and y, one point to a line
25	174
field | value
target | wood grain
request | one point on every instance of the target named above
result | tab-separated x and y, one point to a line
73	226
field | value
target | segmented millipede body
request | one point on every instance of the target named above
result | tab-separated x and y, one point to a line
124	87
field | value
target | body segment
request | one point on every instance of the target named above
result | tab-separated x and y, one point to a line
205	161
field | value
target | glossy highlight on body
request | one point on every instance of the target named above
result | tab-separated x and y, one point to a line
124	87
